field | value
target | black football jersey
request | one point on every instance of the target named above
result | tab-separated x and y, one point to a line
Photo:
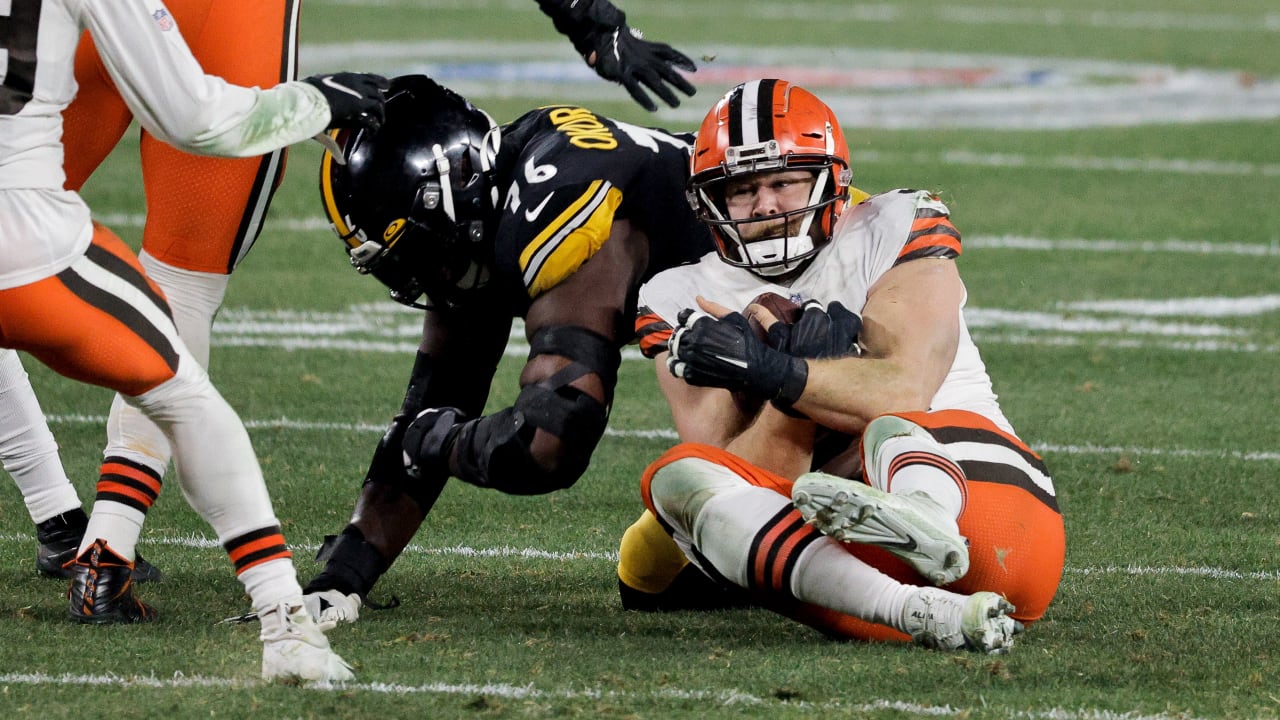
565	174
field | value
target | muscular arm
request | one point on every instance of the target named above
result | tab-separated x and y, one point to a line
910	333
575	330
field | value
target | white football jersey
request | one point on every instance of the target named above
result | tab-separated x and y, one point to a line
44	228
869	239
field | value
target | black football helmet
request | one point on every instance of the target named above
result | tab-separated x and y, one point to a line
414	199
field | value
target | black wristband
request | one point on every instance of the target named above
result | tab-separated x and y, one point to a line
793	383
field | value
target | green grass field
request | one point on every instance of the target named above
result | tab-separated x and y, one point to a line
1114	169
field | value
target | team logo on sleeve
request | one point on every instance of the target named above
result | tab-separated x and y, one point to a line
163	19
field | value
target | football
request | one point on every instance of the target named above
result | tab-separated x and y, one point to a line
785	309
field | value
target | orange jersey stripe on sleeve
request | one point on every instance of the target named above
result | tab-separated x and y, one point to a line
932	235
652	332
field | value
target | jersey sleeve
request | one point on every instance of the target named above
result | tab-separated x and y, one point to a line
932	234
175	100
652	332
559	228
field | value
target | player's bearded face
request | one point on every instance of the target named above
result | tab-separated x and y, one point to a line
768	196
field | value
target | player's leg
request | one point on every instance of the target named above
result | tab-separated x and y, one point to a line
95	120
29	453
92	125
737	523
1011	517
654	575
910	507
203	216
102	321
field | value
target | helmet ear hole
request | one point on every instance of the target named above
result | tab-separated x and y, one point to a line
421	189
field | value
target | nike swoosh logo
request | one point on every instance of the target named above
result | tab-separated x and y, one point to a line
732	361
533	213
327	81
907	546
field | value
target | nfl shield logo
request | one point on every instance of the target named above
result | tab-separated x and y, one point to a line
163	19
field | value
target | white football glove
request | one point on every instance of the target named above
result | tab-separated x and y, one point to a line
331	606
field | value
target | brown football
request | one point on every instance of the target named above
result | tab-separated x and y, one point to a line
785	309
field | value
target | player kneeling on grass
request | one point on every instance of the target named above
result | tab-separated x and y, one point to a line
74	296
935	523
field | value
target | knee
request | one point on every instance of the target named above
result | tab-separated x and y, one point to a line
680	488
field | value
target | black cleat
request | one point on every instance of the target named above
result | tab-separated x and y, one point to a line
59	538
102	589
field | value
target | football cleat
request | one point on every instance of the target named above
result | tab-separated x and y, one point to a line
102	588
911	526
332	606
59	538
943	620
294	647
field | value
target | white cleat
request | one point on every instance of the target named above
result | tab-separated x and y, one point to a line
911	526
331	606
943	620
294	648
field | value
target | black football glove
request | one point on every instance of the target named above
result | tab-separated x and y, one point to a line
624	56
725	353
428	441
819	333
355	99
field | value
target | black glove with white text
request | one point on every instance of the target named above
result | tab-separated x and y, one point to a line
726	353
619	52
355	99
429	439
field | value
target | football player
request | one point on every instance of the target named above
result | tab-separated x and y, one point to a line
946	529
205	214
74	296
557	218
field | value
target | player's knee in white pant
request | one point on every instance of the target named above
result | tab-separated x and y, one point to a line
681	488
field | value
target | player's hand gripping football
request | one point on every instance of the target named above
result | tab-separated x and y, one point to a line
819	333
355	99
621	54
429	440
725	352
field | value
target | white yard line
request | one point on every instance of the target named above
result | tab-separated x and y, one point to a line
729	697
669	434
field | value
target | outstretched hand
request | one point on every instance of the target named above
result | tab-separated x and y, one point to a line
621	54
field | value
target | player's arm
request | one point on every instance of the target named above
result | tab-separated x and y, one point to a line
910	334
544	440
172	97
618	52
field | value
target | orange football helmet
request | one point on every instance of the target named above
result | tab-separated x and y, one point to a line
769	126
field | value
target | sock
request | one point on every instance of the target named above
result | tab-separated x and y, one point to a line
916	463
